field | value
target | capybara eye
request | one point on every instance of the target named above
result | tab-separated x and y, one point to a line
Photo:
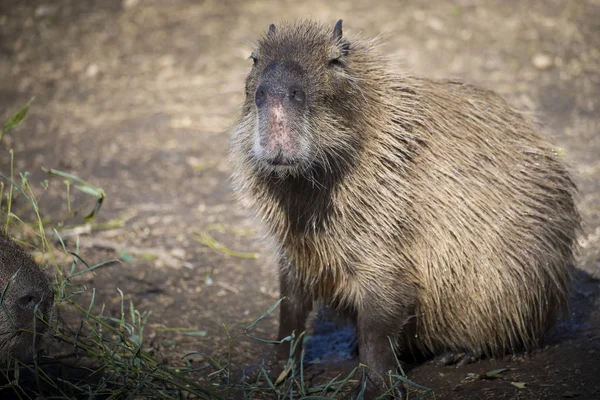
337	62
254	57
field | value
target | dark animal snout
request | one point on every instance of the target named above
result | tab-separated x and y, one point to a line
27	301
296	94
293	92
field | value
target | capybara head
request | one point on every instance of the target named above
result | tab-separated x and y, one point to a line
26	296
297	95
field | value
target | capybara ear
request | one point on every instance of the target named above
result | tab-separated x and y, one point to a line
337	37
337	31
272	29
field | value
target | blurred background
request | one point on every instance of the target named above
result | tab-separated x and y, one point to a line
136	96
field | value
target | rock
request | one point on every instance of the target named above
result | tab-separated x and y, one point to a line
44	10
127	4
542	61
92	70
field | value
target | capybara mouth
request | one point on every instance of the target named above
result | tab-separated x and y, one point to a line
277	163
280	161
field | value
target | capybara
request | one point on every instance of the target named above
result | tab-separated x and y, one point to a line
430	211
24	289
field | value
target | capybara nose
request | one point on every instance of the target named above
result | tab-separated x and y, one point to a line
296	94
29	300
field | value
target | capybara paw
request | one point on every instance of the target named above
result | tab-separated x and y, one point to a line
457	358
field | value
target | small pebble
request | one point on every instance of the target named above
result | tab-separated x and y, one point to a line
542	61
130	3
92	70
44	10
178	253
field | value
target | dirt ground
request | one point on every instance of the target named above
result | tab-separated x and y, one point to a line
136	96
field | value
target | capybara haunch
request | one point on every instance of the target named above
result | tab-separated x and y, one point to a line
430	211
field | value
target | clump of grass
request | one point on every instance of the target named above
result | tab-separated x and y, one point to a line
109	357
293	382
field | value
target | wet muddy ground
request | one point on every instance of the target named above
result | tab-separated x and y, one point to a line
137	96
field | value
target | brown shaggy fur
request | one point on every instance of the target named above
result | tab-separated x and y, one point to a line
431	204
23	286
